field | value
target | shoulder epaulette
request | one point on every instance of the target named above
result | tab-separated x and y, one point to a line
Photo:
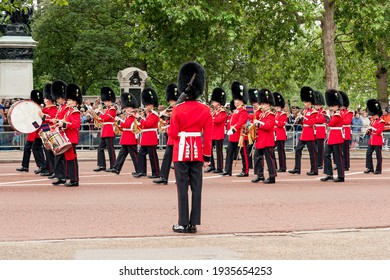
381	120
154	112
337	114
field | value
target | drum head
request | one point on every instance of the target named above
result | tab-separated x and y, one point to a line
23	116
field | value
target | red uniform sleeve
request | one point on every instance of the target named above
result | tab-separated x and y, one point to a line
109	116
74	120
151	121
220	118
281	121
242	119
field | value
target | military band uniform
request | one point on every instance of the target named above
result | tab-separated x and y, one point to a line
49	113
107	138
320	133
281	137
347	116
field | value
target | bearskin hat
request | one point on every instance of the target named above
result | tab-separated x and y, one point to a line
239	92
149	96
266	96
36	96
333	98
219	95
279	100
307	94
128	100
171	92
58	89
374	107
73	92
318	98
345	99
107	94
47	92
252	95
191	80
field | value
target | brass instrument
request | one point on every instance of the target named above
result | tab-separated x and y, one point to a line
252	133
96	121
117	129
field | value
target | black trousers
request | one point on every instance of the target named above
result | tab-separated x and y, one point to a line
312	153
72	167
337	151
153	158
281	154
166	162
249	152
369	162
123	152
49	164
59	167
320	151
104	143
268	153
347	162
218	145
189	173
231	155
37	150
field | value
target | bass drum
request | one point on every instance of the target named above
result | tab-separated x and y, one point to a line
23	116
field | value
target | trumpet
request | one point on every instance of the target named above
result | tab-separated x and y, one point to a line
166	113
96	121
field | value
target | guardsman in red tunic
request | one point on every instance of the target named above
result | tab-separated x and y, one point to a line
71	126
49	113
237	125
218	100
375	130
107	118
191	129
171	95
280	130
320	127
33	142
307	138
149	138
265	142
347	117
128	139
251	131
335	140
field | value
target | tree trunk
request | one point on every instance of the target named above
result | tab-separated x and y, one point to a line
382	82
328	36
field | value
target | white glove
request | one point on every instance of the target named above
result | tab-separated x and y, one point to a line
118	118
230	132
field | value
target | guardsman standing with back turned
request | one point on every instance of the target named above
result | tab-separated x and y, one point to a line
347	118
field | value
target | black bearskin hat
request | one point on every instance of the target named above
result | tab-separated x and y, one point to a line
333	98
171	92
318	98
219	95
239	92
374	107
252	95
73	92
279	100
307	95
128	100
345	99
36	96
107	94
149	96
195	72
47	92
58	89
266	96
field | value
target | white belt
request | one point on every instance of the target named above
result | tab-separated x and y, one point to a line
127	129
149	129
306	125
320	124
183	135
346	125
338	128
108	123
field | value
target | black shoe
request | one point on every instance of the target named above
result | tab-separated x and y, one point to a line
39	170
192	229
180	228
327	178
294	171
161	181
311	173
133	173
217	171
338	180
137	175
113	170
377	172
346	169
45	174
281	170
258	179
209	169
100	168
242	174
320	167
153	176
72	184
22	169
59	182
225	173
52	176
368	171
270	180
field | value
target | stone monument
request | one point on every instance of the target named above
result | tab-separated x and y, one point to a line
16	55
132	80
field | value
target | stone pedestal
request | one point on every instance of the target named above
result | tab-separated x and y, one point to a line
16	66
132	80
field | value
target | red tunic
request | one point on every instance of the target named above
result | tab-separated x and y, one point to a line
376	139
108	121
320	125
149	129
309	119
128	136
170	141
237	121
187	119
73	123
265	130
336	129
31	136
219	121
280	126
347	116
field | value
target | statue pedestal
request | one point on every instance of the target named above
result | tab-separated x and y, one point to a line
16	66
